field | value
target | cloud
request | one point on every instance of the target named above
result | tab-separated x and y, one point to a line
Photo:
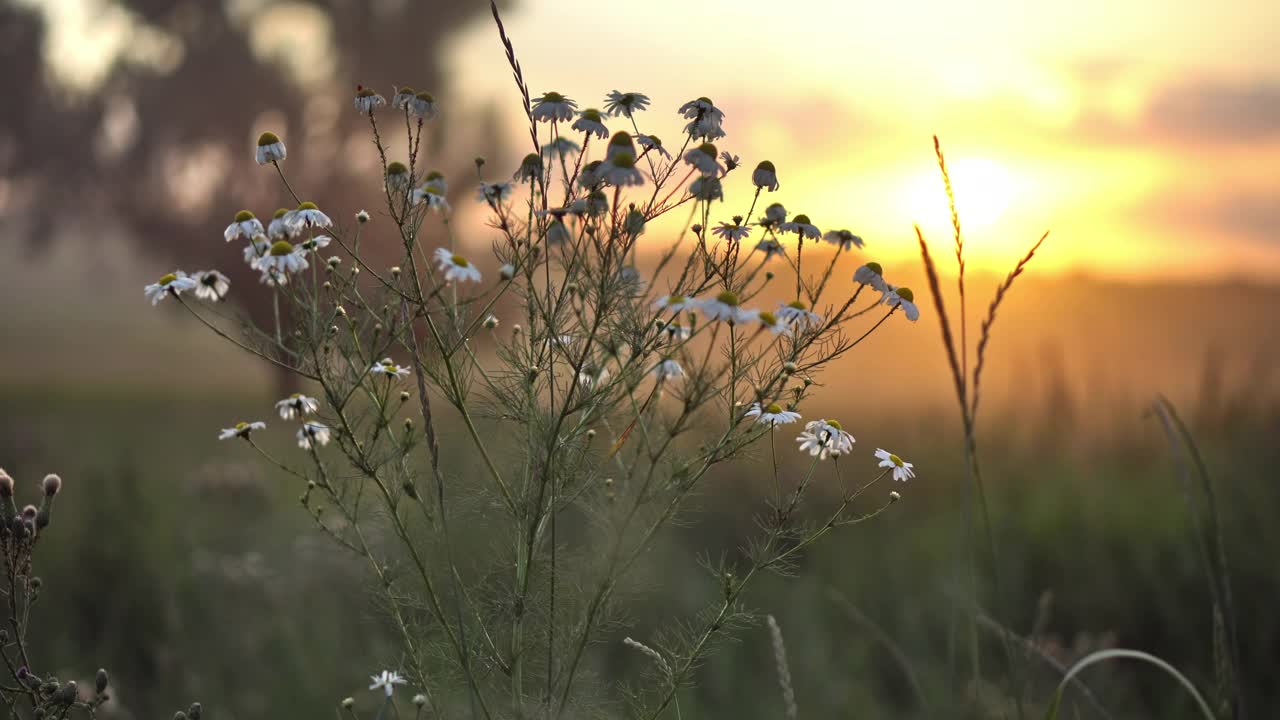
1216	112
1252	215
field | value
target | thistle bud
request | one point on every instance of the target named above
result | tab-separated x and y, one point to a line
100	681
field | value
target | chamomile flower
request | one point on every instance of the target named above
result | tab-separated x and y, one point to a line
795	313
256	248
765	176
432	193
561	147
896	297
305	217
774	215
272	277
403	97
313	245
590	123
296	405
175	282
675	303
703	158
282	257
653	143
211	285
825	438
674	331
397	178
423	105
625	104
705	119
902	471
731	161
270	149
772	415
278	228
770	247
871	274
667	370
844	239
386	680
553	106
242	430
389	368
734	231
621	171
312	434
707	188
770	321
367	100
530	168
455	267
801	226
507	271
726	306
435	182
244	227
596	203
590	376
589	176
620	144
494	193
635	222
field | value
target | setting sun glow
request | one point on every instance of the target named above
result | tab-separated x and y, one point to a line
984	189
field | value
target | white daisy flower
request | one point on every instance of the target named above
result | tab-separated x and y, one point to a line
774	215
561	147
397	178
726	306
675	303
825	438
896	297
590	123
386	680
245	226
494	192
620	144
590	376
765	176
270	149
772	415
770	248
455	267
313	433
432	193
621	171
801	226
282	257
707	188
530	168
902	471
795	313
625	104
297	405
700	108
653	143
278	228
402	98
242	429
844	239
389	368
314	244
211	285
770	321
703	158
306	216
871	274
435	182
705	119
367	100
668	369
553	106
674	331
734	231
707	129
175	282
273	278
424	106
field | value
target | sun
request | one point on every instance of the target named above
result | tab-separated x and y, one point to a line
984	189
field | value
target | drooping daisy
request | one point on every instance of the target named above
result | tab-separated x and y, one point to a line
432	193
530	168
703	158
625	104
256	248
675	303
871	274
211	285
801	226
402	98
175	282
621	171
282	257
397	178
825	438
553	106
770	248
765	176
278	228
244	227
270	149
561	147
653	143
297	405
306	216
494	193
668	369
902	471
367	100
844	239
386	680
590	122
770	321
774	215
772	415
726	306
795	313
314	244
707	188
455	267
705	119
423	105
896	297
734	231
589	177
388	367
242	429
313	433
620	144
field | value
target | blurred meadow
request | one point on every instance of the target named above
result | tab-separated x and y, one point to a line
1145	137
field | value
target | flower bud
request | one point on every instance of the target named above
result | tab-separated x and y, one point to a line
195	711
179	715
362	217
333	261
516	329
404	396
6	485
769	275
100	681
348	703
789	367
479	162
894	496
419	700
395	271
29	512
408	424
591	434
491	321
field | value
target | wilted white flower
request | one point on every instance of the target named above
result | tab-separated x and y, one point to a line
273	278
553	106
211	285
825	438
735	231
494	193
386	680
705	119
896	297
558	233
589	176
726	306
703	158
795	313
432	193
423	105
278	228
591	123
801	226
313	244
844	239
668	369
530	168
282	257
675	303
561	147
307	215
397	177
675	331
366	100
596	203
901	470
620	103
245	226
765	176
772	415
871	274
175	282
455	267
707	188
242	429
313	433
270	149
256	248
652	143
297	405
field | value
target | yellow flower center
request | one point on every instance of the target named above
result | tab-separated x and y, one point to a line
554	97
242	425
308	205
459	261
766	166
773	409
834	423
591	114
365	92
426	96
895	459
279	213
768	318
397	168
624	160
243	215
906	294
728	298
281	248
675	299
796	304
801	219
406	90
268	138
707	149
165	280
